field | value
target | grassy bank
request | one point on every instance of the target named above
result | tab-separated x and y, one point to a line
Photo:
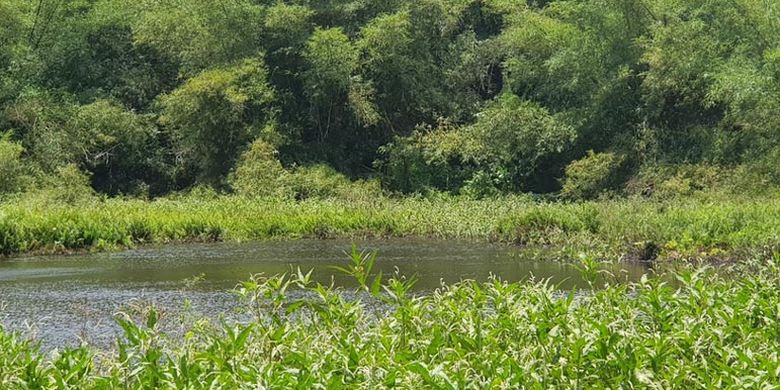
633	227
708	331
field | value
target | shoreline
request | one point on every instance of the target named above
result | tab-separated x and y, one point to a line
626	229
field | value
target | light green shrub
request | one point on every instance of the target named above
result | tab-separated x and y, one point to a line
259	173
679	180
322	181
68	185
12	172
593	175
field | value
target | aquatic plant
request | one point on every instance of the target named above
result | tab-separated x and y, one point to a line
694	328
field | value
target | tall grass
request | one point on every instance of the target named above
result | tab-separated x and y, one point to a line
682	227
703	331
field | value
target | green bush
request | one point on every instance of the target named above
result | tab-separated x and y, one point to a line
767	168
12	170
690	179
760	177
259	172
481	185
679	180
431	158
68	185
322	181
593	175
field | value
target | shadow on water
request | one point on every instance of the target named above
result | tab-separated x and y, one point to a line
64	298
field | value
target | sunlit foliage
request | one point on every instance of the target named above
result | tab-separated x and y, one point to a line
351	83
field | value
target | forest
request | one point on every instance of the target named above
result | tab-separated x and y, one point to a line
537	194
572	99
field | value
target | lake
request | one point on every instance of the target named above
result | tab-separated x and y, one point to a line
64	299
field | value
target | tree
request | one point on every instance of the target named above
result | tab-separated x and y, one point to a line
200	33
214	115
16	65
508	147
118	148
707	83
332	59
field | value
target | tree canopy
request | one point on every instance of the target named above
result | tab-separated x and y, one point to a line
469	96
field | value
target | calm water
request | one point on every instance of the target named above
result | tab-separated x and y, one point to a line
64	298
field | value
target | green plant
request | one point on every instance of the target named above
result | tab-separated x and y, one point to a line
68	185
360	268
12	170
323	182
259	173
690	328
593	175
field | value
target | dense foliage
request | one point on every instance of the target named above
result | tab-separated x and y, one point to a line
719	229
469	96
701	330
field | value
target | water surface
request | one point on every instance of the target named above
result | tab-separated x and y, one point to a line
63	299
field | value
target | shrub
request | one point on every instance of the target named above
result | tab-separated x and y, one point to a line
593	175
432	158
12	170
259	172
481	185
689	179
322	181
767	168
677	180
69	185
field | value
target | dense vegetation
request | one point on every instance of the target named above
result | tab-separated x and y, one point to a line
702	330
634	229
598	129
476	97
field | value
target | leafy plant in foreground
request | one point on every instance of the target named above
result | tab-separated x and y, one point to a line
692	328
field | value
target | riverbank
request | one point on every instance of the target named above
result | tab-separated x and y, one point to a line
630	229
708	330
